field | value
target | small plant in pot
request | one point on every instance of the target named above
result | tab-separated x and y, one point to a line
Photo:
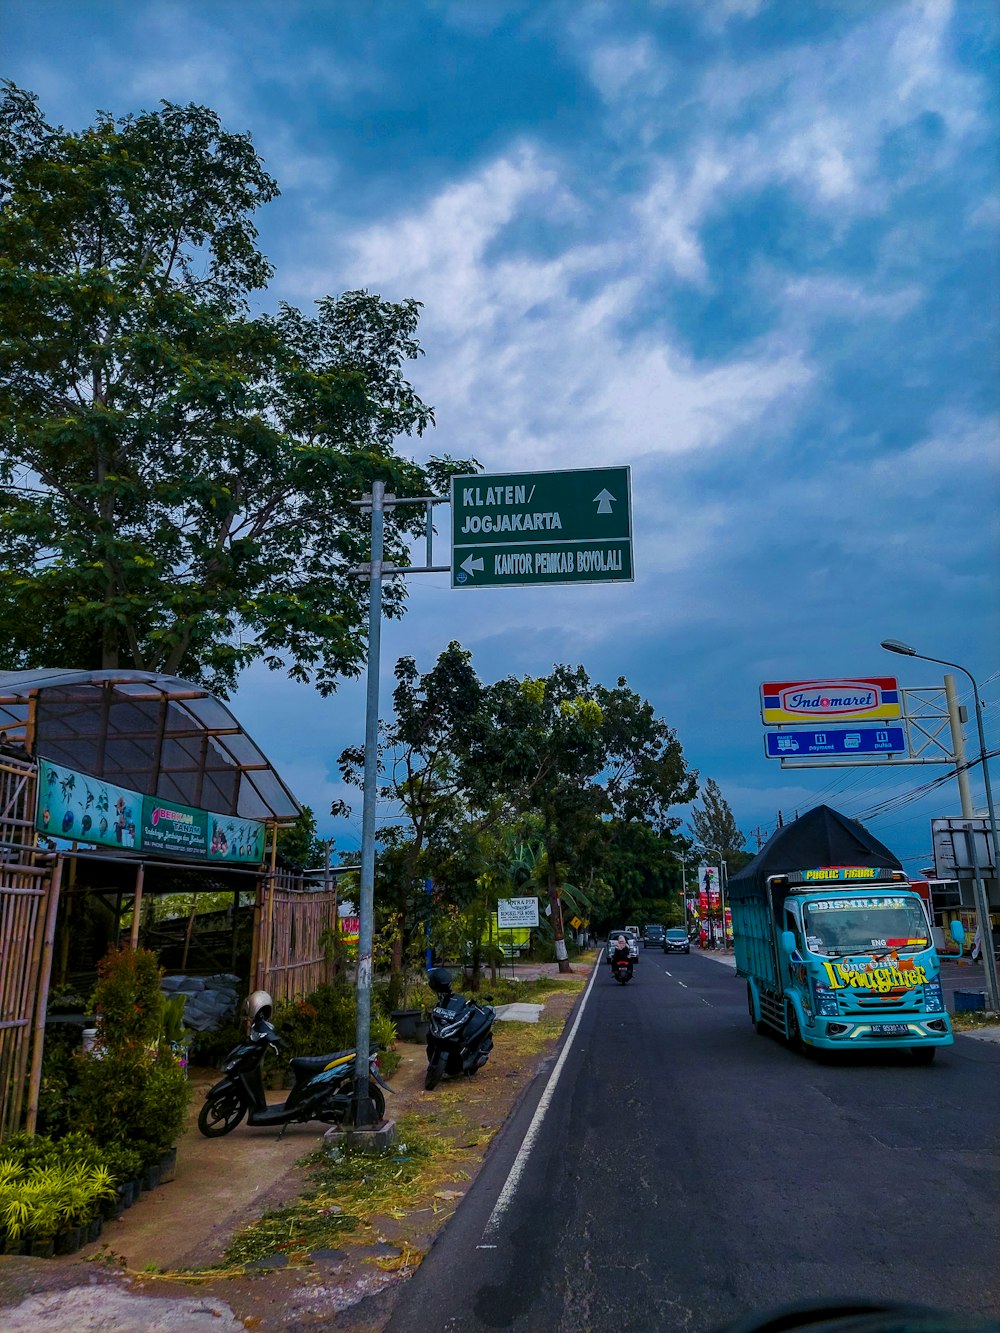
125	1165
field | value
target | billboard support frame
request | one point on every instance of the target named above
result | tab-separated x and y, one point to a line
925	717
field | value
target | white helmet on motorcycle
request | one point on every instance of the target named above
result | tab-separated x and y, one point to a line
259	1005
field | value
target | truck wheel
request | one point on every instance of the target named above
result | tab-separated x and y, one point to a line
759	1026
922	1055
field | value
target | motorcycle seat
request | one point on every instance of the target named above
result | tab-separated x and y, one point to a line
315	1064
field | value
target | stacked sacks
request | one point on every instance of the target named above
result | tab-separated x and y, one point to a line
211	1001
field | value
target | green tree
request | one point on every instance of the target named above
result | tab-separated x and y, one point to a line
715	827
299	847
419	758
641	866
576	754
180	474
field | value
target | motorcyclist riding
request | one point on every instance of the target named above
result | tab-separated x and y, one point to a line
620	953
621	960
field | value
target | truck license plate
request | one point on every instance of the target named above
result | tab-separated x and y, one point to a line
889	1029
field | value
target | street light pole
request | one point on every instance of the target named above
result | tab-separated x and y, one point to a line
684	891
982	903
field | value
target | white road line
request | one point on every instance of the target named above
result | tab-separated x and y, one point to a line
521	1160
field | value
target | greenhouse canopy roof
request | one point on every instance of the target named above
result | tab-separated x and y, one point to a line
158	735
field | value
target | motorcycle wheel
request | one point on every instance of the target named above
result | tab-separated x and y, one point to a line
434	1072
221	1114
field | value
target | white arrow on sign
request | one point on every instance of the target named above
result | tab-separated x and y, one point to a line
471	563
604	502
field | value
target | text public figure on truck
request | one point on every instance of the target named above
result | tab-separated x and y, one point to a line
835	946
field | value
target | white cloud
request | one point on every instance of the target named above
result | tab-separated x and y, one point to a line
807	298
628	69
672	208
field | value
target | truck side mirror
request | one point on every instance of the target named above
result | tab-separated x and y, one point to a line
958	935
788	942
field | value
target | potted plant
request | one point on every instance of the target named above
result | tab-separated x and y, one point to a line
13	1208
125	1165
409	1021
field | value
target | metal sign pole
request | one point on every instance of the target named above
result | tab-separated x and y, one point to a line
367	904
985	925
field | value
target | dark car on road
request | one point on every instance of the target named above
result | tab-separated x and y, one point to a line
652	935
676	940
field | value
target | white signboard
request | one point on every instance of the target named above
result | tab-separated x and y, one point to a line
513	913
957	855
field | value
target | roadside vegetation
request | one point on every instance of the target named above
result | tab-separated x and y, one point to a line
970	1022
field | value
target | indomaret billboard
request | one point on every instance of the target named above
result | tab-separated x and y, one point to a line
861	699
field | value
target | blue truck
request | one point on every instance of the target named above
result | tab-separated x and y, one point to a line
834	944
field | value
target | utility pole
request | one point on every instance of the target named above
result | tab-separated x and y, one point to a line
980	896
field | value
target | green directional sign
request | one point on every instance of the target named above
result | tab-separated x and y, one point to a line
516	528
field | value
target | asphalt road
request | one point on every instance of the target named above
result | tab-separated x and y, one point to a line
687	1172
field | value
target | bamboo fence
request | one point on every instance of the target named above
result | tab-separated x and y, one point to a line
293	954
28	899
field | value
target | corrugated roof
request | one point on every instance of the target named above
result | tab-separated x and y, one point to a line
158	735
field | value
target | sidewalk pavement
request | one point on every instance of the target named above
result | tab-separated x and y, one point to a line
728	959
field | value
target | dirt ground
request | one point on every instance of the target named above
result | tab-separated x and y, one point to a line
162	1251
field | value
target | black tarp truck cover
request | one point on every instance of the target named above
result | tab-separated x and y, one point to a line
820	838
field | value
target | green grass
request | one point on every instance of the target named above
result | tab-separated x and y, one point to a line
966	1021
505	991
347	1187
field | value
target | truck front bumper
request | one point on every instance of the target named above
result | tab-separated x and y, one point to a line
854	1032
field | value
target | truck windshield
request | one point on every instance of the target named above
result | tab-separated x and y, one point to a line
838	926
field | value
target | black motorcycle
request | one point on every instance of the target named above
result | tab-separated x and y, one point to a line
621	970
323	1087
459	1038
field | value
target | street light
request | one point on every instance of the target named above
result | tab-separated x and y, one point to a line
684	892
982	918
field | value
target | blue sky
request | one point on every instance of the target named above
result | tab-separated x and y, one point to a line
747	248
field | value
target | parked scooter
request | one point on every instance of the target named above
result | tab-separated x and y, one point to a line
323	1087
459	1039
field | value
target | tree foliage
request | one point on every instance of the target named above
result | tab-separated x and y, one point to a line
180	474
715	826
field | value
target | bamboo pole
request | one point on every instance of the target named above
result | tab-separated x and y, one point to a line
44	974
137	905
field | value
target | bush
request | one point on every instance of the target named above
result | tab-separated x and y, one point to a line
211	1048
57	1089
127	998
326	1020
48	1186
37	1202
132	1091
130	1097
